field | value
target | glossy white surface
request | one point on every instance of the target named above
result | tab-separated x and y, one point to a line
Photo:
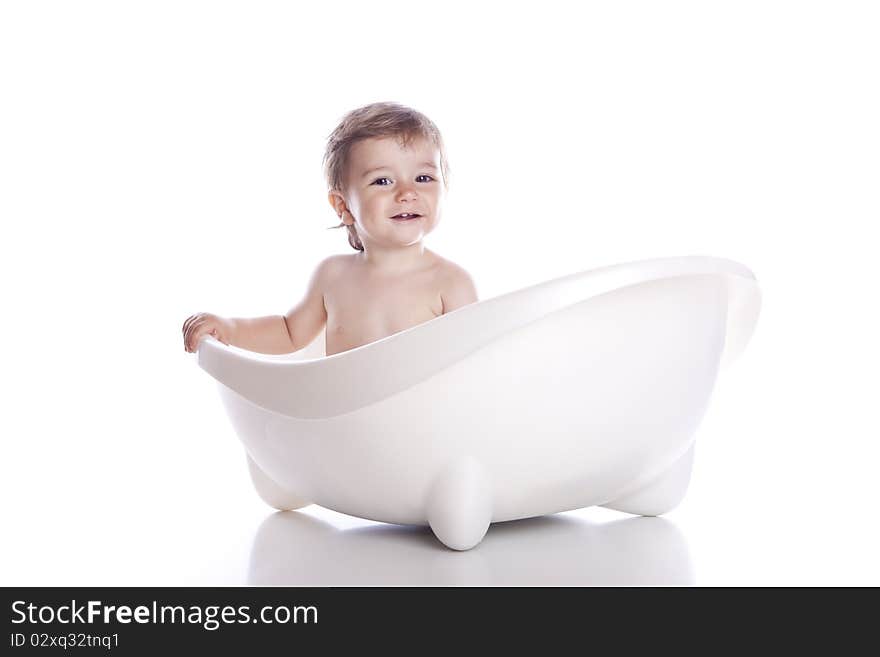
549	551
586	390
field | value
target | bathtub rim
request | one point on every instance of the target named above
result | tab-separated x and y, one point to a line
262	378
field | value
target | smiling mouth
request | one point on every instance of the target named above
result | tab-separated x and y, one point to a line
406	216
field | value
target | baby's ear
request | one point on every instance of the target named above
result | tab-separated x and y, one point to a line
336	202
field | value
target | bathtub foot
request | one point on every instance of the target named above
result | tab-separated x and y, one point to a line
661	495
270	492
459	506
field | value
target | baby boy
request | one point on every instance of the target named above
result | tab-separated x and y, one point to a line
387	173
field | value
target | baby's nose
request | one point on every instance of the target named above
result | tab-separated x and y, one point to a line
406	192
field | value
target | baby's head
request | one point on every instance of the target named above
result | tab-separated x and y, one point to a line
382	160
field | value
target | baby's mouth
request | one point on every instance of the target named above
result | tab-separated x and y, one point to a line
406	216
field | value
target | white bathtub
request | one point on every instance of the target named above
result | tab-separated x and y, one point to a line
584	390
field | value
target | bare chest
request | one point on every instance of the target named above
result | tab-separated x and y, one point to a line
360	312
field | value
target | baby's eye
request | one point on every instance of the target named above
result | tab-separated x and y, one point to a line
376	181
424	175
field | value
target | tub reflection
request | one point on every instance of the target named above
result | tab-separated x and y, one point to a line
293	548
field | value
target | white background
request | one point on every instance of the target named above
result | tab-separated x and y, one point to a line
159	159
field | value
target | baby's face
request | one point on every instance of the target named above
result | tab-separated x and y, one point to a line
386	180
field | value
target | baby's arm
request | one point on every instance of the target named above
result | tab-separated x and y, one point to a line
274	334
458	289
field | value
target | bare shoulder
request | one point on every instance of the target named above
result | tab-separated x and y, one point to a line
457	287
331	267
454	273
337	261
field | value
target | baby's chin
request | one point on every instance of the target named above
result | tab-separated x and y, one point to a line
403	241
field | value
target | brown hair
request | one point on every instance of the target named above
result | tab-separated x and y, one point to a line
376	120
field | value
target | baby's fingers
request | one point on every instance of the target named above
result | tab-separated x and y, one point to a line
193	333
189	321
220	336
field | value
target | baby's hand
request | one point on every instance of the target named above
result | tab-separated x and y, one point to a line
201	324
